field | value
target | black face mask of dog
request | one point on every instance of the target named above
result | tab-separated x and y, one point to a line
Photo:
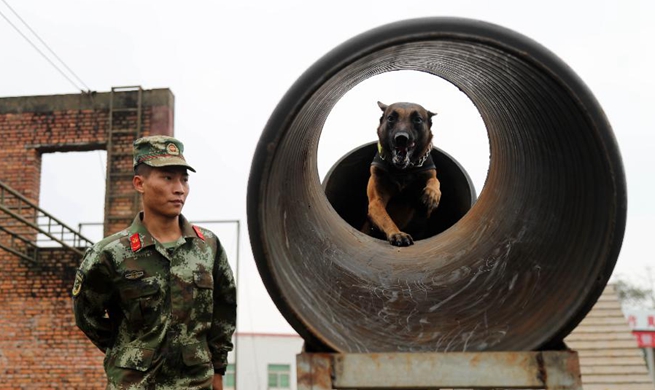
404	128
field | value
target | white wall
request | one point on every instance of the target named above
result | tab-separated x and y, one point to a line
255	351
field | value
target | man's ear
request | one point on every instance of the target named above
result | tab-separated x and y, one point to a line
137	182
382	106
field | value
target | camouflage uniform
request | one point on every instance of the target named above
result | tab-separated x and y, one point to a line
164	317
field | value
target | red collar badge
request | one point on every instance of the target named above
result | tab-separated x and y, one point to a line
198	232
135	242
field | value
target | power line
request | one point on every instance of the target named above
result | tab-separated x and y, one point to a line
46	45
39	50
103	166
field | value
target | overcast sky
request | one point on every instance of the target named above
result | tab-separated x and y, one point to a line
228	63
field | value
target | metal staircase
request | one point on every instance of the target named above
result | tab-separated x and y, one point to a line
24	228
124	101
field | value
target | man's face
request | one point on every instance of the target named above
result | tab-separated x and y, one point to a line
164	190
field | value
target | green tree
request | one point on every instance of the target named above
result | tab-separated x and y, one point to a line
637	295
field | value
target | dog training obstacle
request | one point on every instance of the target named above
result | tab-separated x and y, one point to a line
516	273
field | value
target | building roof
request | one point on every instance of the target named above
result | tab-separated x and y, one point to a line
609	356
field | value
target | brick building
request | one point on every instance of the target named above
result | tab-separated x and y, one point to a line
40	346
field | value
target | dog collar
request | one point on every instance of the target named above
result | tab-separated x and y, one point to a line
380	150
419	163
422	160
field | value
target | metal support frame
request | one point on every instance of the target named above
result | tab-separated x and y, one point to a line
650	361
452	370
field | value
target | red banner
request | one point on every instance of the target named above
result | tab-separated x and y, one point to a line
645	339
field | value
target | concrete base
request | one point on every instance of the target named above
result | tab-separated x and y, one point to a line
454	370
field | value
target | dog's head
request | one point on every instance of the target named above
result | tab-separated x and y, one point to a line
405	132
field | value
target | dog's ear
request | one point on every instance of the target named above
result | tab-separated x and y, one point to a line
382	106
430	115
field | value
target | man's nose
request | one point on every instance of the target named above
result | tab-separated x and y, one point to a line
179	187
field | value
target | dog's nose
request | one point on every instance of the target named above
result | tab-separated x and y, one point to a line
401	139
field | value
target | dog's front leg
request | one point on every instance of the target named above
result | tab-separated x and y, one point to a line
378	198
432	192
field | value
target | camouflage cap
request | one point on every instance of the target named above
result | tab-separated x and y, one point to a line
159	151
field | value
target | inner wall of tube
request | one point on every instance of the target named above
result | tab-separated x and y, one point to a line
345	187
489	282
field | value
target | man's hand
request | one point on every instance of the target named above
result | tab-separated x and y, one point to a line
217	382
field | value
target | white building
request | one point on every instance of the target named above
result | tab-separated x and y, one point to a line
263	362
642	323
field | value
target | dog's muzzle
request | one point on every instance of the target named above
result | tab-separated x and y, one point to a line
402	150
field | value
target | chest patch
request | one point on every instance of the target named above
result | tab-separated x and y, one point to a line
134	274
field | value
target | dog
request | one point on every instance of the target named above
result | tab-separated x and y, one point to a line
403	189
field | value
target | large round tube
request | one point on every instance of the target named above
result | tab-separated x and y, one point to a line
518	271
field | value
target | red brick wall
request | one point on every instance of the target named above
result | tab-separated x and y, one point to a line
30	126
40	346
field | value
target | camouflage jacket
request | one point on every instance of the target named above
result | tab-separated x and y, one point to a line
163	317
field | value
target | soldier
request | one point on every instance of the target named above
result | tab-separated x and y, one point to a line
158	298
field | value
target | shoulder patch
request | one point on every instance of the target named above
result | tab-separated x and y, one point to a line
77	286
135	242
198	232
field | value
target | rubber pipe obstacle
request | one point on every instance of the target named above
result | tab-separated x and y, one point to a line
517	272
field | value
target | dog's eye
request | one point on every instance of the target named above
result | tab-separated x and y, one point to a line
391	118
418	119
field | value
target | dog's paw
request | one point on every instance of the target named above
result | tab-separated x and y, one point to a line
431	198
401	239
